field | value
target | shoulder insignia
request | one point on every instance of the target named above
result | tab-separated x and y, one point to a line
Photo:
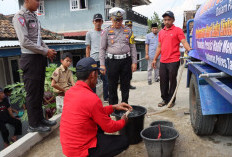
21	21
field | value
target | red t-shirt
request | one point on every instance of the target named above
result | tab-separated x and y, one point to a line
82	111
170	43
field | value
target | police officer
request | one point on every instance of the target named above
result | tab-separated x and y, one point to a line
33	63
129	24
121	54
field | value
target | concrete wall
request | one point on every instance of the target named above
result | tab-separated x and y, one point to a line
59	18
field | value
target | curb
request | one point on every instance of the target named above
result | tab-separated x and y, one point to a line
24	144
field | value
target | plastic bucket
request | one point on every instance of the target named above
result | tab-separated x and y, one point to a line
162	147
162	122
135	123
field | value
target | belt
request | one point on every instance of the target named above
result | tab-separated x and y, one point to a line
112	56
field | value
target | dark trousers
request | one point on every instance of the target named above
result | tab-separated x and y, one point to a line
168	82
12	121
34	67
105	84
109	145
119	68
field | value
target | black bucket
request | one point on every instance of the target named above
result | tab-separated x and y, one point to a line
162	147
134	125
162	122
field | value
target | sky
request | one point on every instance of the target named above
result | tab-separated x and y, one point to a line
159	6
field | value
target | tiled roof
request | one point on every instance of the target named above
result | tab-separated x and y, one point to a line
75	34
7	31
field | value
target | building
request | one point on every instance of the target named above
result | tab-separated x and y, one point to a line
10	50
73	18
190	14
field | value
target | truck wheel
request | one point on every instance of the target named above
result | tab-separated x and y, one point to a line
202	125
224	125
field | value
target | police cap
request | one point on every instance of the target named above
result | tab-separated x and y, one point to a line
116	13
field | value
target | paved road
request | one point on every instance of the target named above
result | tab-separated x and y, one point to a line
187	144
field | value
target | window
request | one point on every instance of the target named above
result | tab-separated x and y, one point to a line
14	67
110	3
41	9
2	72
78	4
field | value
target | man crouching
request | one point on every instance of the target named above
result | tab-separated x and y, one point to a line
83	112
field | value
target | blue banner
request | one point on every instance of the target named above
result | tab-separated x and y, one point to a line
212	34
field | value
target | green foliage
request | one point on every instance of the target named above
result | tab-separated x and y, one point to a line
49	70
154	19
25	116
74	73
18	94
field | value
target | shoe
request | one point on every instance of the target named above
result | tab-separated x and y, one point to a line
149	82
157	80
172	105
161	104
106	100
40	129
48	122
132	87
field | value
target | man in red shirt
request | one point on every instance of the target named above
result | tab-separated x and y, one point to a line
83	112
170	38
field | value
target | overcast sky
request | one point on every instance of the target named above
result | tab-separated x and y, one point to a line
160	6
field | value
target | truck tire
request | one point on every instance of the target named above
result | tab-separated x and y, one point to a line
224	125
202	125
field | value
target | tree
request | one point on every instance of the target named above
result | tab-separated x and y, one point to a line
154	19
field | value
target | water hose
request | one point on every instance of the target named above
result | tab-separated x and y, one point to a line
174	95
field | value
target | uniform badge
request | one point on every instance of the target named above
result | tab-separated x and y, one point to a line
32	25
102	33
21	21
111	31
119	13
125	30
55	74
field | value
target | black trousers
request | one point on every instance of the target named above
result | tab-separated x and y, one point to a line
105	83
34	66
119	68
168	74
12	121
109	145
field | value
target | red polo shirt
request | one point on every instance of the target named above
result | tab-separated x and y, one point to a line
82	111
170	43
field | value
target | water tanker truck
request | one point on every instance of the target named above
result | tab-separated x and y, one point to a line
210	68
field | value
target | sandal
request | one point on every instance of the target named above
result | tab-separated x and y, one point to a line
161	104
172	105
